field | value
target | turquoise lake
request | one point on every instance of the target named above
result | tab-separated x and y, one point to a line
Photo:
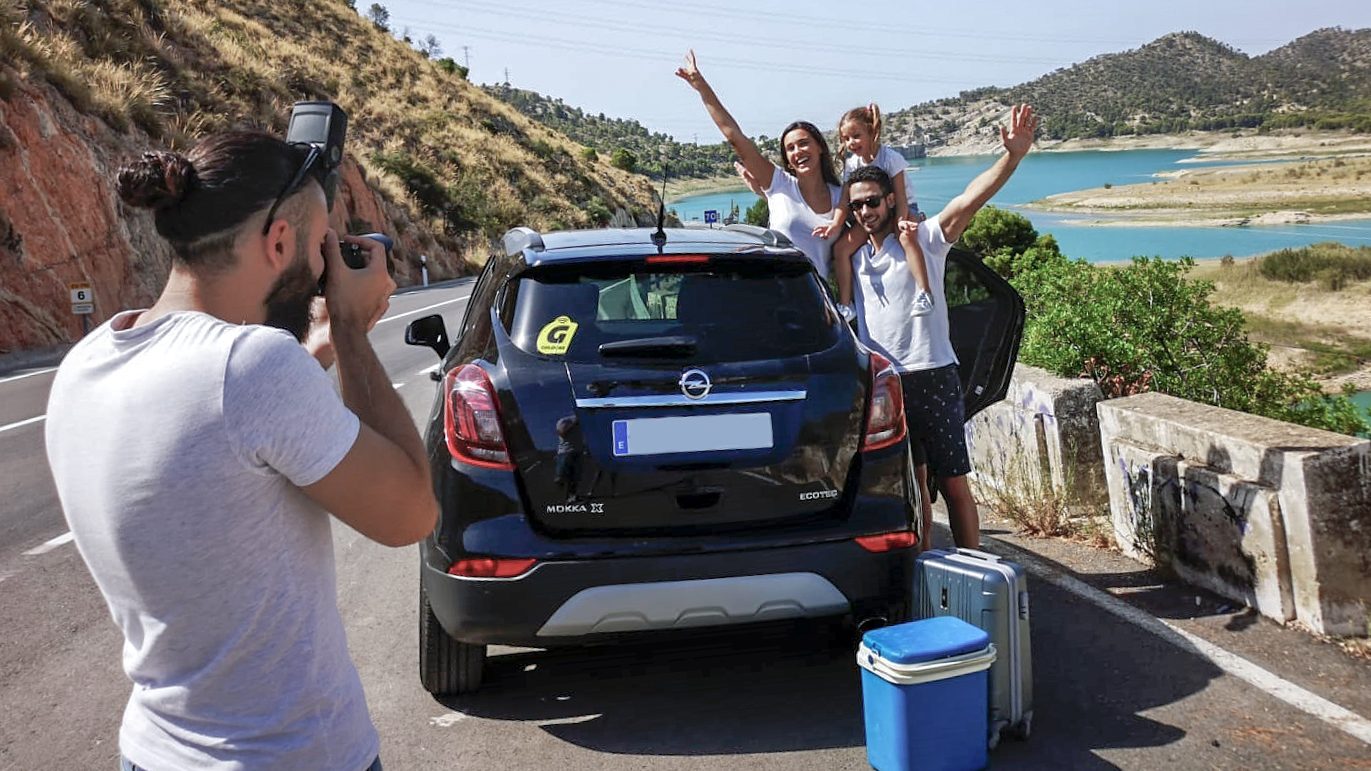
936	180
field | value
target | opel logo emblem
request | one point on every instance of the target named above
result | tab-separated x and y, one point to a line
695	384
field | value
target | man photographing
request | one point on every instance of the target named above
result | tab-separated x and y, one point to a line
198	449
920	347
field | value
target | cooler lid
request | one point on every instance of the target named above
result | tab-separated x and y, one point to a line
929	639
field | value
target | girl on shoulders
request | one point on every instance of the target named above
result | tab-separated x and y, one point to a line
860	132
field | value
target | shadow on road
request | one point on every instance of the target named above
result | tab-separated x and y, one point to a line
786	689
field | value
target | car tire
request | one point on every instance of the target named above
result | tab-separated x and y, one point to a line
447	667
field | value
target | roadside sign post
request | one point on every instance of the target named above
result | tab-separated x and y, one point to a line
82	303
711	217
423	267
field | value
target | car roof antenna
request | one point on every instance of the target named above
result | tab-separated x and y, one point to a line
659	236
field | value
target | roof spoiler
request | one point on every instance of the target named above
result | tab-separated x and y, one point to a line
517	240
765	235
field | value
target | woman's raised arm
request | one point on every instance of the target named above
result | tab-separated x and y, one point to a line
756	164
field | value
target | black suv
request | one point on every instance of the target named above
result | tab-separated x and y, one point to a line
633	436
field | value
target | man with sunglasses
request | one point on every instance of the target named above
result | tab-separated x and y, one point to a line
920	347
198	449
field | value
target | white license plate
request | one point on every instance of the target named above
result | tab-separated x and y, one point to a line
692	433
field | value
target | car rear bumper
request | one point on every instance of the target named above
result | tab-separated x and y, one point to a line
598	600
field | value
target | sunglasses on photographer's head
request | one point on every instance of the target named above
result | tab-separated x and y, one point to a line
311	157
874	202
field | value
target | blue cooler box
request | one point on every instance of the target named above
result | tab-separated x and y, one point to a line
925	695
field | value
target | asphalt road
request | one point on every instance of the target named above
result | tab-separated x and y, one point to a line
1130	671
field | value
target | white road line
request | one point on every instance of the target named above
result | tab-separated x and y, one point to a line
425	308
26	374
49	545
397	385
1235	665
22	423
427	370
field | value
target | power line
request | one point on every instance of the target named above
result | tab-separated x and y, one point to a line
884	51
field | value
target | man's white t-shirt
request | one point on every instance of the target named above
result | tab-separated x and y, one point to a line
179	449
793	217
891	162
884	292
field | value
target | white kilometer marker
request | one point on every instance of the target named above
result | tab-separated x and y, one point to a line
22	423
50	545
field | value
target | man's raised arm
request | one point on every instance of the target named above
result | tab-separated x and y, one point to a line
1017	140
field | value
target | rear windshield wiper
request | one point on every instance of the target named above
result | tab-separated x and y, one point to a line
667	345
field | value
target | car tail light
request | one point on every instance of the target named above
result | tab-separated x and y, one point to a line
885	406
678	259
884	542
471	419
491	567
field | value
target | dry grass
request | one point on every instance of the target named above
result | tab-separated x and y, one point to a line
175	69
1045	509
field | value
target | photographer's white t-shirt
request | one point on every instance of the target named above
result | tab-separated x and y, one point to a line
179	449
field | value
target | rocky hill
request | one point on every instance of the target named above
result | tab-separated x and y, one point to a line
86	86
623	141
1180	82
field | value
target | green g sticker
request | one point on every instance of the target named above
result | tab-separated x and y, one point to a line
555	337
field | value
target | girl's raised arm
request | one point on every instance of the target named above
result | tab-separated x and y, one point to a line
756	164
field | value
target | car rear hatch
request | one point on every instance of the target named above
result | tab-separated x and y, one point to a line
679	394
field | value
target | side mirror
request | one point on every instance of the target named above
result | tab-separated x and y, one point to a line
429	331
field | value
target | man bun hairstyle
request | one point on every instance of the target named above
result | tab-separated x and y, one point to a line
872	173
201	200
156	181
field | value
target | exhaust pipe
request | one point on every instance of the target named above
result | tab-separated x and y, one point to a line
871	622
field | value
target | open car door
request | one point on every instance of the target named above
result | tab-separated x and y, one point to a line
985	318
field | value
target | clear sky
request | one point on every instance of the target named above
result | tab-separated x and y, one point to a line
774	61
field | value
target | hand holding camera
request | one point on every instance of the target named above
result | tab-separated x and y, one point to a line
356	295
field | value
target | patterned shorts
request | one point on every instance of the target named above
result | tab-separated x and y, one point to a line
936	416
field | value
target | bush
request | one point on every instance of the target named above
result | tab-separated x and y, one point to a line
598	211
589	155
1331	264
1147	327
623	159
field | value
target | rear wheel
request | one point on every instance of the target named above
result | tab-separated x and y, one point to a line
447	667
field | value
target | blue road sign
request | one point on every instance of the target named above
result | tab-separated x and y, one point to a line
711	216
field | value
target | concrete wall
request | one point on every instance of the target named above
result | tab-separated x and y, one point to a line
1045	429
1271	514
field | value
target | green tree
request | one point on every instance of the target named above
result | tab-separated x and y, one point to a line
623	159
1008	242
378	15
758	214
450	66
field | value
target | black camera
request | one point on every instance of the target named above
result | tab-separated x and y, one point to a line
356	256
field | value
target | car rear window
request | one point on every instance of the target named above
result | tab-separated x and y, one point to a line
727	310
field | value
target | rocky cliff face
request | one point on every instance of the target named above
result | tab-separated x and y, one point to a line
61	222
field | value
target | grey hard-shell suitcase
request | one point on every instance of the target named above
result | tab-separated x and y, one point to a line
991	593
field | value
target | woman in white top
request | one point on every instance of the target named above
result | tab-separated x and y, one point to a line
802	192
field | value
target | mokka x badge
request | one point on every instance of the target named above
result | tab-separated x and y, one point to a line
695	384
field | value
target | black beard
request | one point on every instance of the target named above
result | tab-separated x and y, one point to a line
288	303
